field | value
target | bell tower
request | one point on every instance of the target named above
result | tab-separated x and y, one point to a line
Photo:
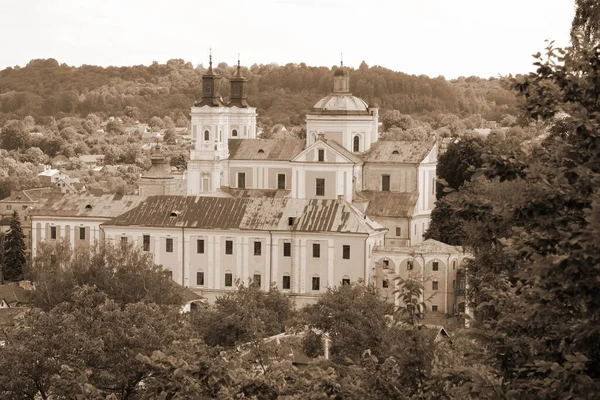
238	88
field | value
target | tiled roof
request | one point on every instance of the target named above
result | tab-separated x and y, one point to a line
272	149
388	151
85	205
429	246
247	214
390	204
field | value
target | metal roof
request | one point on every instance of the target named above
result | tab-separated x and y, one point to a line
239	193
390	204
388	151
85	205
265	149
254	214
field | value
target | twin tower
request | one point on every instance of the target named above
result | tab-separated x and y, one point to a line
213	124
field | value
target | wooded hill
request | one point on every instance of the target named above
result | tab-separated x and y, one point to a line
282	94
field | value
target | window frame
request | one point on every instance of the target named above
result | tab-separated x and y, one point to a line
346	251
435	265
199	278
241	178
146	243
200	246
320	184
316	250
82	233
228	279
386	182
285	278
321	155
257	280
229	247
257	248
316	282
287	249
279	181
435	285
169	245
410	265
206	135
356	144
53	232
345	281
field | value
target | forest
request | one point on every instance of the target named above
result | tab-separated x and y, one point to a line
281	94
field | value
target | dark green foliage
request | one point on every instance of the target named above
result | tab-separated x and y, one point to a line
458	164
125	274
354	316
244	315
586	22
13	259
282	94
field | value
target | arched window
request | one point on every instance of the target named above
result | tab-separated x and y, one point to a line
356	145
234	133
206	135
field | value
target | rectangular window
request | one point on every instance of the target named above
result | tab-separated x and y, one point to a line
229	247
200	278
168	273
385	183
435	266
386	264
287	249
200	246
386	283
316	250
434	308
321	155
398	231
8	207
286	282
256	280
169	245
241	180
280	181
453	284
320	187
346	252
146	243
52	232
316	283
409	265
454	264
291	221
123	241
345	281
24	207
228	279
257	248
435	285
81	233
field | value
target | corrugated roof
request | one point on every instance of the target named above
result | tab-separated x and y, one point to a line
390	204
14	294
247	214
389	151
85	205
265	149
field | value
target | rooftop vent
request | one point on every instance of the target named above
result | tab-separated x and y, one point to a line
88	207
260	151
174	214
395	152
291	221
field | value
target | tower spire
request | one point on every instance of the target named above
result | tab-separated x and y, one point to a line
341	60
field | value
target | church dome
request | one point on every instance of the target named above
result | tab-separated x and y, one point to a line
343	103
341	72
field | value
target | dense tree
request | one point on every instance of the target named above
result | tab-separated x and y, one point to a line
244	315
124	274
586	22
460	161
14	260
354	317
13	135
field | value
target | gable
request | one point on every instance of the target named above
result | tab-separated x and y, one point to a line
3	304
332	153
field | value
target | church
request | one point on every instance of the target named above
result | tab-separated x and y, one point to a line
337	207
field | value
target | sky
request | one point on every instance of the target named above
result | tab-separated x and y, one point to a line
423	37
